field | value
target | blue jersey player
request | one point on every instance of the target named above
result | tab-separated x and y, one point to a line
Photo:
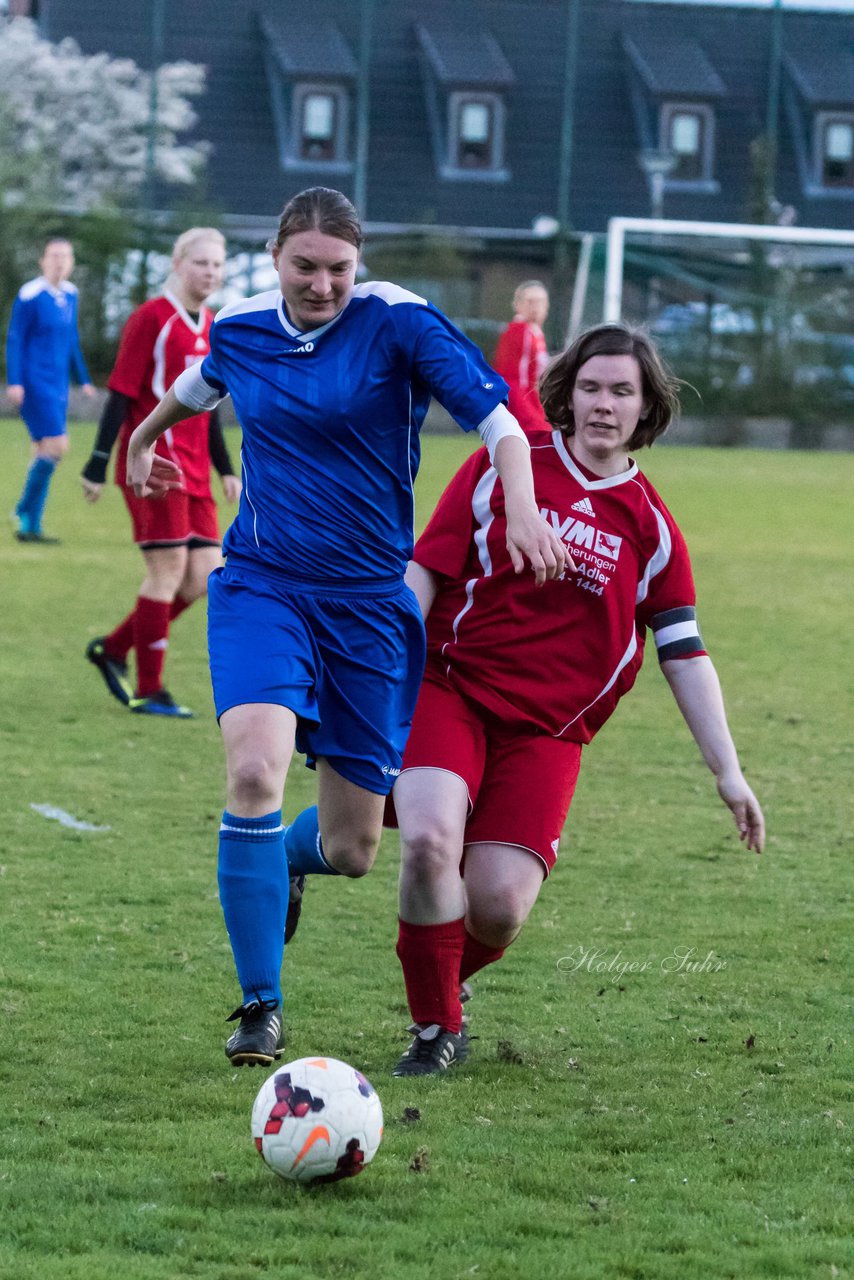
315	642
42	352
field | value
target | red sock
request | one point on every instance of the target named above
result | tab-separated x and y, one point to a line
119	643
150	639
476	955
430	955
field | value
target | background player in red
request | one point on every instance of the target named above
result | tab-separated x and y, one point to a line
518	681
521	355
177	533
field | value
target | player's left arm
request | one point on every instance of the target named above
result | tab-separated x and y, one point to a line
528	535
696	688
458	376
78	364
423	583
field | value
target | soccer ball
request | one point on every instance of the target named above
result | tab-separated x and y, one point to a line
317	1120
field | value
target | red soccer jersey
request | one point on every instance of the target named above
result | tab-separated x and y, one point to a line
159	341
520	358
557	657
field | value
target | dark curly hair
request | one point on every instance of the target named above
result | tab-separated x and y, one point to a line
660	387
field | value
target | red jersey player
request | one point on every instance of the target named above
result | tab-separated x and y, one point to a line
518	679
521	355
178	533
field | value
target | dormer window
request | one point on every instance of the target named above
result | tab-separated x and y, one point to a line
818	93
674	87
465	78
686	131
311	73
474	131
321	123
835	136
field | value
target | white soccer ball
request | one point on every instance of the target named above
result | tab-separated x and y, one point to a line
317	1120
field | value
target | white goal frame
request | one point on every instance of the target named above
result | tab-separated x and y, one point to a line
618	227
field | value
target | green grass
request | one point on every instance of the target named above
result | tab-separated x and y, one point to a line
652	1126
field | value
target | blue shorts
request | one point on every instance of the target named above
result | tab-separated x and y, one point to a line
349	667
44	415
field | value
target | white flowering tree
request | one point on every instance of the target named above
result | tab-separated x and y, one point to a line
75	128
77	152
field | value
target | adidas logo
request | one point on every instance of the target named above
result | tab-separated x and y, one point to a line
584	506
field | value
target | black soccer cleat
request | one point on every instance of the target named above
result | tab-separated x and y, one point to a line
114	671
260	1038
35	535
432	1051
160	703
295	892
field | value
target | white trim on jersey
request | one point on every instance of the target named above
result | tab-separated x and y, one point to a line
626	658
193	392
483	514
195	326
32	288
606	482
660	557
266	301
247	495
304	335
387	292
158	376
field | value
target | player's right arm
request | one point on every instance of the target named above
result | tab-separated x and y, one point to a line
149	474
15	350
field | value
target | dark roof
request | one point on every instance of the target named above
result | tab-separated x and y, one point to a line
824	74
525	39
675	67
307	46
463	55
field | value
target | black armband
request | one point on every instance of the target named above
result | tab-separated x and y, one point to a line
113	415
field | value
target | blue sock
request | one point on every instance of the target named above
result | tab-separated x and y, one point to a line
34	496
253	890
303	849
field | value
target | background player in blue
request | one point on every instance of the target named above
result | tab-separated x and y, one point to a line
42	351
315	641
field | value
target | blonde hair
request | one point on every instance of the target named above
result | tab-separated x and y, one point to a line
524	287
187	239
184	246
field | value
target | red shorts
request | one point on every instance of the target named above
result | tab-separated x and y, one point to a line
177	520
520	783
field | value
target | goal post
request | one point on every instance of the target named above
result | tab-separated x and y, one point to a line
618	228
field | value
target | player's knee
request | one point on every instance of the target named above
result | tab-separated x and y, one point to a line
54	447
351	854
428	852
496	918
253	780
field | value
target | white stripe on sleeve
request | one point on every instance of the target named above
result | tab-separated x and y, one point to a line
496	426
193	392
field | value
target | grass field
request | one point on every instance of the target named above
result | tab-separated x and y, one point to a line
664	1124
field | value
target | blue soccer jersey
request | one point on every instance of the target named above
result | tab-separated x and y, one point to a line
331	422
43	351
